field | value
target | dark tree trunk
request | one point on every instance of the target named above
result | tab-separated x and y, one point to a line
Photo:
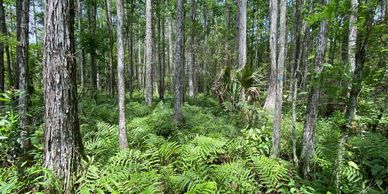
62	140
160	54
22	13
82	50
179	62
148	54
296	58
311	111
2	30
92	9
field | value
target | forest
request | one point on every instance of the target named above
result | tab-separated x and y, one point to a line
196	96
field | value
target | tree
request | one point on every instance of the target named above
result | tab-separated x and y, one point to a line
179	61
279	81
111	81
22	13
2	24
311	110
120	75
62	140
270	100
242	33
296	60
148	54
82	52
92	9
191	61
352	37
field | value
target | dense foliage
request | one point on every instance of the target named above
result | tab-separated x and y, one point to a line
216	151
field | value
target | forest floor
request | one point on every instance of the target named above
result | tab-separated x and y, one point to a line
217	150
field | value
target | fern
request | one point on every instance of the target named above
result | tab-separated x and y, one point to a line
273	174
204	188
233	177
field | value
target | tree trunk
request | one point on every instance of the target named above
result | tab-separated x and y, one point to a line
352	37
311	111
82	50
148	54
179	62
242	33
22	13
269	104
296	59
123	141
92	9
62	139
163	58
279	81
170	53
111	87
191	61
160	54
2	30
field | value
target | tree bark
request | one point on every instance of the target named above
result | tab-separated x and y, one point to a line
179	62
62	139
111	87
22	13
352	37
279	81
170	53
2	66
269	104
123	141
311	111
160	19
242	33
148	54
191	63
92	9
82	50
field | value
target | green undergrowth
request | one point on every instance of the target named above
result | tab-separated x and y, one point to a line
216	150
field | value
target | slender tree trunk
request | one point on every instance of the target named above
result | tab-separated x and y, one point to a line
170	54
132	75
279	81
311	111
2	30
352	37
92	9
191	63
296	58
82	50
123	141
62	139
163	67
270	100
22	14
160	54
111	87
242	33
148	54
179	62
384	6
